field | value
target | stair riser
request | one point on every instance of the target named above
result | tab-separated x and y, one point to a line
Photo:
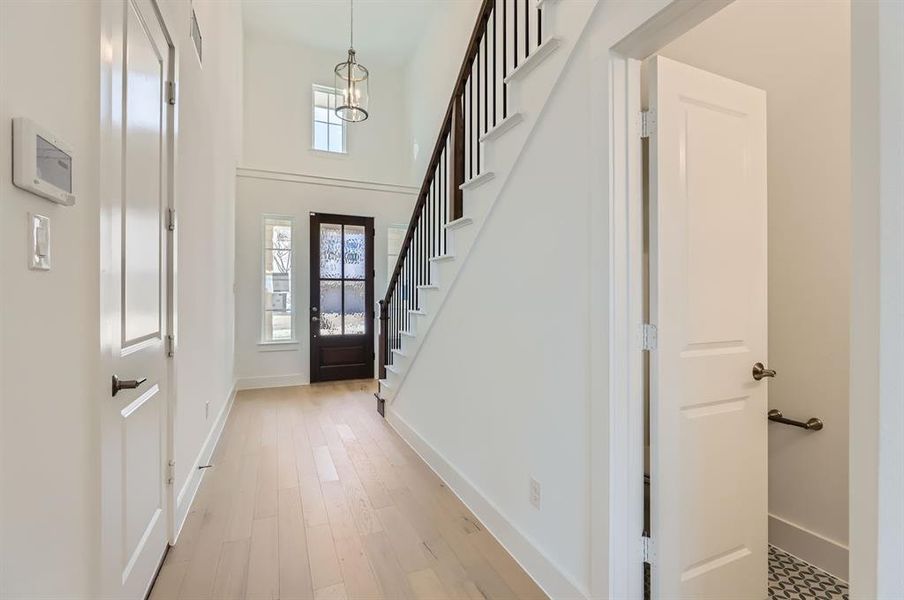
399	361
430	300
395	379
460	240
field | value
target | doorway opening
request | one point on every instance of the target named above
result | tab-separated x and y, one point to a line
733	267
342	297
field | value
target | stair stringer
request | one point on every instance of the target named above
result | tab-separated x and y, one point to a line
529	91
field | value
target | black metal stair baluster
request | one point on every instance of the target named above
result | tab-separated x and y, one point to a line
515	34
477	133
539	25
495	59
504	58
526	28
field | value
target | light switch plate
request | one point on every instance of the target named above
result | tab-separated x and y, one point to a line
38	242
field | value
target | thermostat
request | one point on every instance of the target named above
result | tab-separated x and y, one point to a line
42	162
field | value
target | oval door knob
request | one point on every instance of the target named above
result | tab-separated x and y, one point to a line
760	371
126	384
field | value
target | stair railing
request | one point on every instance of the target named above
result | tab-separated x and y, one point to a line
501	40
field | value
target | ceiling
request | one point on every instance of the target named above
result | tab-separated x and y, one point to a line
386	31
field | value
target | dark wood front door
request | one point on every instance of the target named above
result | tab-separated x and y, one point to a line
342	297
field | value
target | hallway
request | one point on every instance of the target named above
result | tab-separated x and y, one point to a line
312	495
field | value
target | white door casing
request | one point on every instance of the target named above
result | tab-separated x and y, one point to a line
135	129
708	300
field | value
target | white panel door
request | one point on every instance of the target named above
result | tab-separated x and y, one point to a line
708	301
134	425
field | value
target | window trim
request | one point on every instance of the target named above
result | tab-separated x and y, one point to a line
325	89
293	284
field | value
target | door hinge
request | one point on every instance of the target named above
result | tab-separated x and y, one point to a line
171	93
171	472
647	123
646	549
649	337
171	219
170	346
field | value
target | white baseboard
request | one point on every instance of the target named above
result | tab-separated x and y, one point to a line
188	491
271	381
809	546
545	573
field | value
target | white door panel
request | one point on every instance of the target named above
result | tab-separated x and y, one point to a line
134	425
708	301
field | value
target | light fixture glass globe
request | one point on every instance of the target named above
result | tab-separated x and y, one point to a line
353	86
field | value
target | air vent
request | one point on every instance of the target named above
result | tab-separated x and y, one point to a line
196	35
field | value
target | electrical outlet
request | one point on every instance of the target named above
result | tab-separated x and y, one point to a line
534	494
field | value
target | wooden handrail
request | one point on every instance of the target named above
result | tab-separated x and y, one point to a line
473	47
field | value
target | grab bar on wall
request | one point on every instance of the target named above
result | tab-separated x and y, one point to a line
813	424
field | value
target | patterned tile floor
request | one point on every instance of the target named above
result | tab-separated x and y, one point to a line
791	579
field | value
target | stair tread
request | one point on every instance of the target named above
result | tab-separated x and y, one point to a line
416	311
503	126
394	369
443	257
398	352
535	58
458	223
477	180
385	383
428	287
407	333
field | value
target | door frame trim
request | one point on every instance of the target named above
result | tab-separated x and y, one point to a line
369	285
625	227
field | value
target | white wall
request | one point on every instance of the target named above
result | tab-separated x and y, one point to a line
524	383
50	379
877	323
278	79
209	113
49	476
799	53
258	194
430	75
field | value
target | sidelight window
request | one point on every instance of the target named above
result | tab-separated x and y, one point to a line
278	280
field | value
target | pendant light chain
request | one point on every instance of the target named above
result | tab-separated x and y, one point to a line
351	24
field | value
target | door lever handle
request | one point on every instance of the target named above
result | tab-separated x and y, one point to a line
126	384
760	371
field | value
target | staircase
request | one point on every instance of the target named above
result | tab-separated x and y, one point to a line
516	53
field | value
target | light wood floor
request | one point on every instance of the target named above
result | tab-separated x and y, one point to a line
313	495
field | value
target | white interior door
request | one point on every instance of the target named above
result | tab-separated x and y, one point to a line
708	301
134	424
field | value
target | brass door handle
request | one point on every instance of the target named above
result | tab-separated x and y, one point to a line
126	384
760	371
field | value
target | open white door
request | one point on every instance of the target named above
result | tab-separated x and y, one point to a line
133	243
708	302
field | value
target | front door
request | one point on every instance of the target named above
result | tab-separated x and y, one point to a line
708	421
342	297
134	407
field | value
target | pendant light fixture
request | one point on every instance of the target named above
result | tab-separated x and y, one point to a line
352	80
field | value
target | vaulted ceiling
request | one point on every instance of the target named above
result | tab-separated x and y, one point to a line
386	31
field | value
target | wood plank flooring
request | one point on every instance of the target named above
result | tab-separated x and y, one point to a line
313	496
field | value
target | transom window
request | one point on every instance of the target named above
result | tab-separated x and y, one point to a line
329	130
278	280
